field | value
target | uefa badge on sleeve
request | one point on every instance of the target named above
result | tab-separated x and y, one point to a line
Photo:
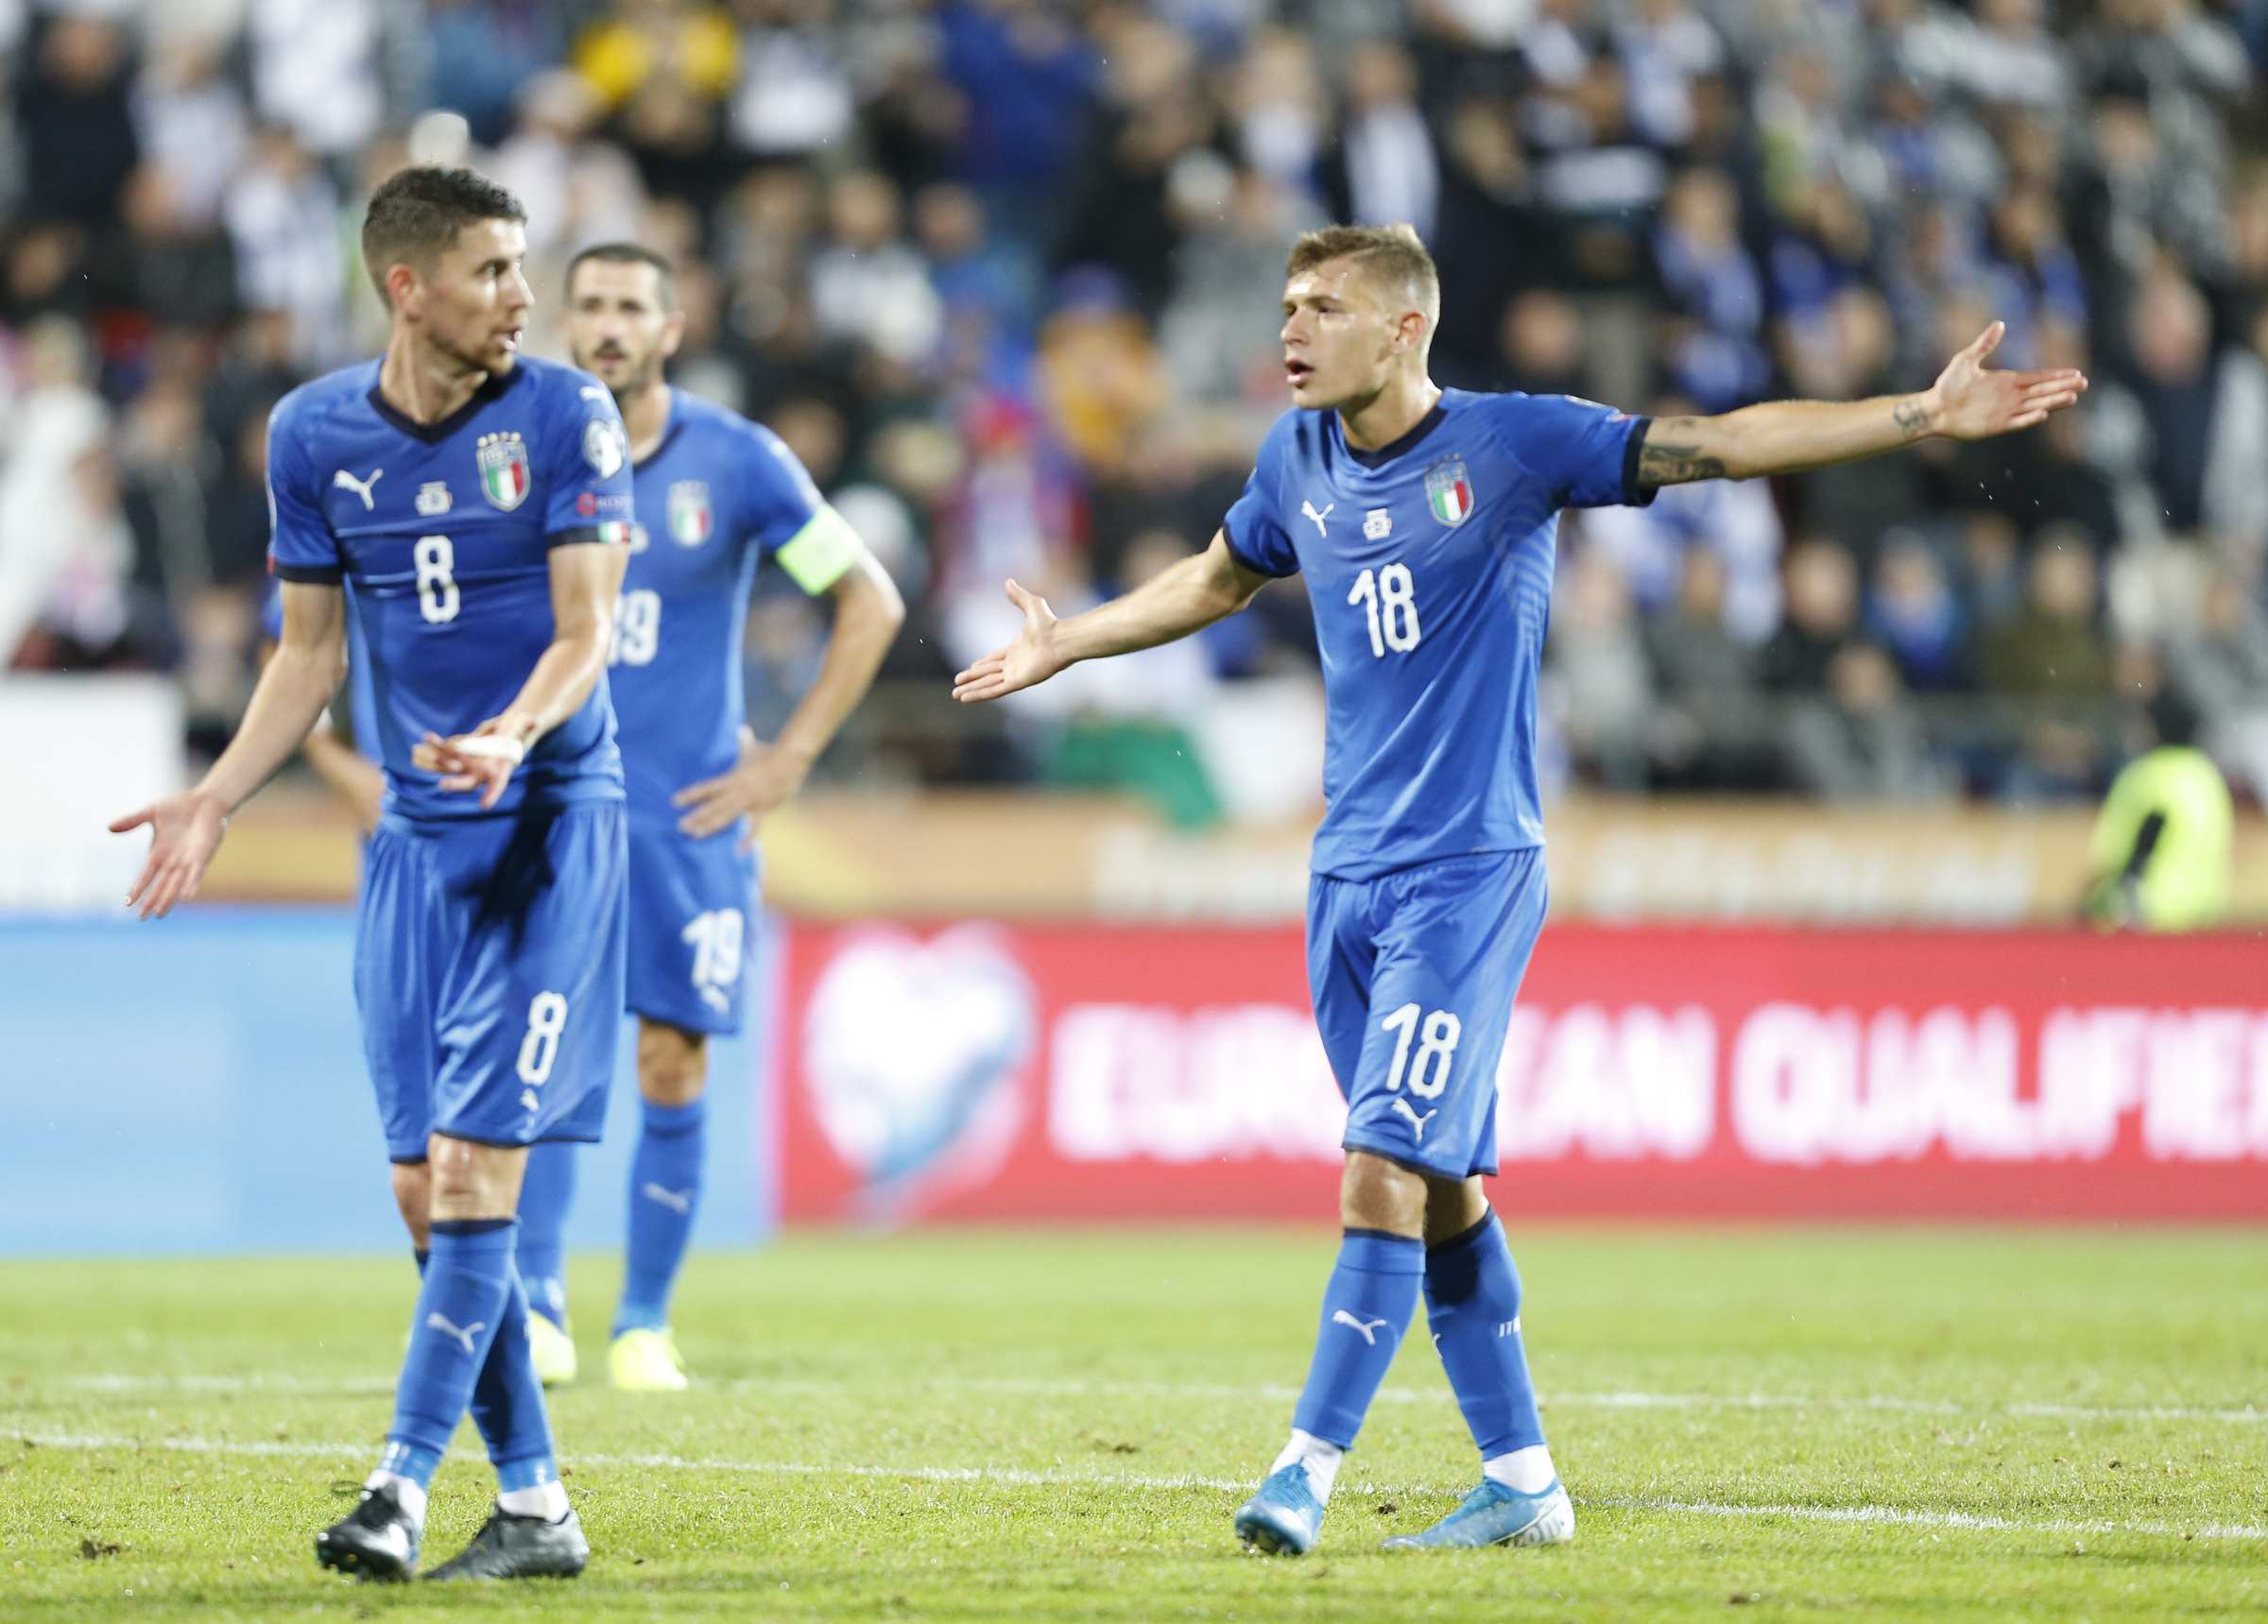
1449	491
503	475
690	518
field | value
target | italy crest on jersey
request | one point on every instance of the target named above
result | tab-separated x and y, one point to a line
690	519
503	473
1449	490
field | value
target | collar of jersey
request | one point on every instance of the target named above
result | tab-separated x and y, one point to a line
1374	460
669	433
433	434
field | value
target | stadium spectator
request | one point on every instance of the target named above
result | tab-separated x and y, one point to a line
889	219
282	216
74	108
1913	613
1712	731
1599	664
867	284
2219	668
1822	616
2051	647
484	53
1861	740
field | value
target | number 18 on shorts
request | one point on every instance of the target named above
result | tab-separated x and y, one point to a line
1412	975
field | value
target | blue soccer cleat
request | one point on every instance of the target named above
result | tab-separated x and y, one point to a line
1493	1514
1283	1517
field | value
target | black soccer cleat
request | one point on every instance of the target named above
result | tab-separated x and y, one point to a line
509	1546
375	1539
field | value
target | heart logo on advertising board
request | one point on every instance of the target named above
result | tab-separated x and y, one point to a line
911	1051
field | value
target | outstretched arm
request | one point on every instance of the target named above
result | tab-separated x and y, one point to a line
185	828
1967	402
867	613
1187	597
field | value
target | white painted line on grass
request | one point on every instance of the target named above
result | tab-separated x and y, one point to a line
1023	1476
2248	1415
1893	1516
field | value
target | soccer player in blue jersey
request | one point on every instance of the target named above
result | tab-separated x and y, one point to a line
716	495
479	504
1425	521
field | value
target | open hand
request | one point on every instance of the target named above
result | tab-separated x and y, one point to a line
1031	659
766	778
483	759
184	830
1970	403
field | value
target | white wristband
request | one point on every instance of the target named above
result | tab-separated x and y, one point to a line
501	746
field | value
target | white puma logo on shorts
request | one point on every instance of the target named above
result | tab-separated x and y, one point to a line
1417	1123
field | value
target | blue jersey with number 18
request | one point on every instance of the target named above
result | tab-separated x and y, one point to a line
1429	566
445	531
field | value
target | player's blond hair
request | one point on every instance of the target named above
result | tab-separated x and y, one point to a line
1393	257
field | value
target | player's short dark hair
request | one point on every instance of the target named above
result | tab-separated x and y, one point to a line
627	254
1393	256
416	214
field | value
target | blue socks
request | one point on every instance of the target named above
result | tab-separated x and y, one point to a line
468	1289
665	1186
545	1192
1368	1304
507	1403
1472	1306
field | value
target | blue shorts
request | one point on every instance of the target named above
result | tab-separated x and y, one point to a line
1413	975
489	970
693	909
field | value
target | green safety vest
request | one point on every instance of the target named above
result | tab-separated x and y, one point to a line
2184	882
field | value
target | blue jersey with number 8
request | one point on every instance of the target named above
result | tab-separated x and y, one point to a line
446	531
1429	567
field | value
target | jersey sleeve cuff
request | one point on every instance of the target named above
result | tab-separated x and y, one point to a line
1633	448
614	533
310	574
821	552
1245	559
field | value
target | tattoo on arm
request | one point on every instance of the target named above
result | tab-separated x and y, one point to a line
1660	464
1912	418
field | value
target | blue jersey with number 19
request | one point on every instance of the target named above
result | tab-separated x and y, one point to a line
445	530
1428	564
717	495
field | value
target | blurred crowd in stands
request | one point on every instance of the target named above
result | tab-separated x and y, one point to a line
1005	273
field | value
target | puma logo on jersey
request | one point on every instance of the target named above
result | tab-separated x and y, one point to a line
438	1323
1307	510
1417	1123
677	1201
342	480
1370	1328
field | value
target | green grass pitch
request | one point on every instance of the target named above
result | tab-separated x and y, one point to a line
1941	1424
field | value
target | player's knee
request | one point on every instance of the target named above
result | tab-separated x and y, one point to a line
1452	1207
1374	1193
673	1064
472	1181
413	1195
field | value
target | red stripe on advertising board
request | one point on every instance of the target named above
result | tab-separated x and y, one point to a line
1100	1072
